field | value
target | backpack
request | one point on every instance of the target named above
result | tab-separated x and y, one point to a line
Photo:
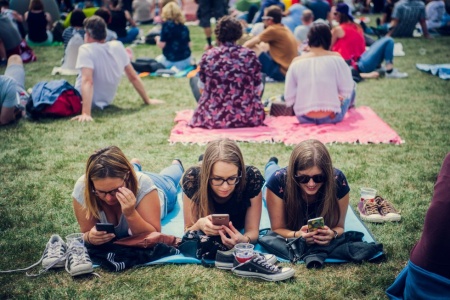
56	98
146	65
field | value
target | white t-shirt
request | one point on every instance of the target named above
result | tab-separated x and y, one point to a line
435	11
315	84
108	60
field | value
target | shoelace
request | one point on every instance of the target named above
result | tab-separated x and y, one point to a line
371	208
386	207
54	250
260	260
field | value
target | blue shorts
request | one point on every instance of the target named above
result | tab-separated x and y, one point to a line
270	67
16	72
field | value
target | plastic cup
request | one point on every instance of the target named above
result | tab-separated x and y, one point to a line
75	240
368	193
243	252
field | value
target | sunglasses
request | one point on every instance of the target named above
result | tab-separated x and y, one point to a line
319	178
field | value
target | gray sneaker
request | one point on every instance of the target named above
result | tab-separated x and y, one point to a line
54	253
225	259
258	267
396	74
78	261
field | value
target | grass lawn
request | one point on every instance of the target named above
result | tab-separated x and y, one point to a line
40	162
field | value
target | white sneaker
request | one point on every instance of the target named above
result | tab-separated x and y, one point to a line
396	74
78	261
54	253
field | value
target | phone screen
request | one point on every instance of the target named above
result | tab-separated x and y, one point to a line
108	227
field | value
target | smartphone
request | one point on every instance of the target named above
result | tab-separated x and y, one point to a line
108	227
220	219
314	224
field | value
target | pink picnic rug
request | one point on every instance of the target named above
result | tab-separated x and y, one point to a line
360	125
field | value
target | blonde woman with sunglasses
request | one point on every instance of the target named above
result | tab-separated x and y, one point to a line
223	184
309	187
114	190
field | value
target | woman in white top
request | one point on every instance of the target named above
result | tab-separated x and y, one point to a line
319	84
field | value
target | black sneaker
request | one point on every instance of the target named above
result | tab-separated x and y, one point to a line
258	267
225	259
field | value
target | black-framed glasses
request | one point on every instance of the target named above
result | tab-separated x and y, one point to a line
318	178
113	192
233	180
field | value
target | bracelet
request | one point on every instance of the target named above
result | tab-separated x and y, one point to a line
249	239
295	233
87	237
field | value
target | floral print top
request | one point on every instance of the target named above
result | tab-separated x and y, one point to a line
230	76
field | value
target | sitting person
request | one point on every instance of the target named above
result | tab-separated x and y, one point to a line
223	184
301	31
15	17
9	39
144	11
12	90
113	190
105	14
435	11
309	187
76	27
230	83
293	16
101	66
39	24
282	46
319	84
348	40
405	16
174	39
119	19
427	274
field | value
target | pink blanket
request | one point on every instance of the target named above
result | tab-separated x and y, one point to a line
360	125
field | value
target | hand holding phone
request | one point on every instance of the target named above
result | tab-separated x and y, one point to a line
108	227
314	224
220	219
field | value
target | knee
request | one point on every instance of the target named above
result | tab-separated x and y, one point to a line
15	60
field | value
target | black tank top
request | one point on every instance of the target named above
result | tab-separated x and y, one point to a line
118	23
37	27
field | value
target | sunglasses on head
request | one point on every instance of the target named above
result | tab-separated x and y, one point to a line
319	178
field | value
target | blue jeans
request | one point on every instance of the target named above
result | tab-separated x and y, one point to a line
270	67
180	65
383	49
132	34
345	105
270	168
167	180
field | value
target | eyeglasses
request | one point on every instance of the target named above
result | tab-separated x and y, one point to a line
233	180
266	18
319	178
112	193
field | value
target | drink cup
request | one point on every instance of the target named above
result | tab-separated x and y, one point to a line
75	240
368	193
243	252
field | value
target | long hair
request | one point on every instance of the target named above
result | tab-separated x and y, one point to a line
305	155
224	150
36	5
172	12
109	162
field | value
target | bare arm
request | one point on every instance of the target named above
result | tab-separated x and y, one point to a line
394	23
277	216
192	223
49	21
253	217
146	217
7	115
423	24
252	42
139	86
336	33
87	92
130	19
159	43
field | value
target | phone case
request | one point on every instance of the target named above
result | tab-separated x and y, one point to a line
314	224
108	227
220	219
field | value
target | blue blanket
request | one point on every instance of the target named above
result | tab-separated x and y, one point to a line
173	224
442	70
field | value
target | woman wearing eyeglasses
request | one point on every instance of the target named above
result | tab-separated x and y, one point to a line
114	190
223	184
309	187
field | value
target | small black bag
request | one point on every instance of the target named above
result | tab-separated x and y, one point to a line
286	248
146	65
198	245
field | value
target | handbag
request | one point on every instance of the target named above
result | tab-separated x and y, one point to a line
286	248
197	244
149	240
279	108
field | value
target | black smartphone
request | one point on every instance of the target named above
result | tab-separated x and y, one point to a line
220	219
108	227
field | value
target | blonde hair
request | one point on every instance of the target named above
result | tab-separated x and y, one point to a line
224	150
172	12
308	154
109	162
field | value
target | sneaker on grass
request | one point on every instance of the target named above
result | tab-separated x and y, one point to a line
225	259
78	261
54	253
396	74
387	210
368	211
258	267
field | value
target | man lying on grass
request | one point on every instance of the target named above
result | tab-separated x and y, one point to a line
101	66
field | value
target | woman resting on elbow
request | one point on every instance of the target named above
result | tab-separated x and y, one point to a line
111	191
309	187
223	184
319	84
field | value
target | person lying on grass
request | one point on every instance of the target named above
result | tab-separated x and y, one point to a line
101	66
309	187
114	190
223	184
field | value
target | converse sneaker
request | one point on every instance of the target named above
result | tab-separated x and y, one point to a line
258	267
225	259
396	74
54	253
368	211
387	210
78	261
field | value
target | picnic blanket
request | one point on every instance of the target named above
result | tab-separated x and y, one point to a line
441	70
360	125
173	224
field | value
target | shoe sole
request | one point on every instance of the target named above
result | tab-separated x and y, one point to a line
60	264
392	217
229	266
268	277
379	219
82	272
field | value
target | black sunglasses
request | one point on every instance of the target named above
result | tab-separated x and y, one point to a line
319	178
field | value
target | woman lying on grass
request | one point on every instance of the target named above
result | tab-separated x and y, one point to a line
113	190
309	187
223	184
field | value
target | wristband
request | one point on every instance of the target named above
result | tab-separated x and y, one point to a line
249	240
87	237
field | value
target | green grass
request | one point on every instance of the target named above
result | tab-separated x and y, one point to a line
40	161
